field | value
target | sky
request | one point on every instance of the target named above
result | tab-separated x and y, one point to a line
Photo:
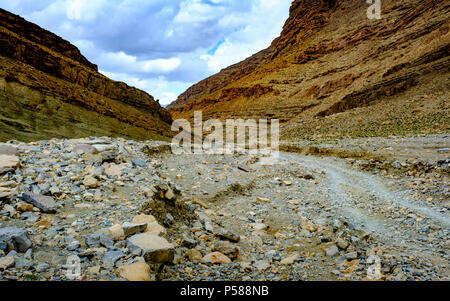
160	46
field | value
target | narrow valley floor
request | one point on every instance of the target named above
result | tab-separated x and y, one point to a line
304	218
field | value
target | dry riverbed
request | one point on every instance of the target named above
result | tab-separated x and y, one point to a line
133	210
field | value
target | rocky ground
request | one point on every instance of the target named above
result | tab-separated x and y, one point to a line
133	210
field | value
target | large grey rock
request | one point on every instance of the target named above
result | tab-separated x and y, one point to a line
152	247
16	238
110	258
98	240
23	263
46	203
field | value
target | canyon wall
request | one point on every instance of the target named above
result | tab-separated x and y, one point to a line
49	89
333	73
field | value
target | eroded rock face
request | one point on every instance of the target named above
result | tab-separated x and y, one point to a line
331	59
63	87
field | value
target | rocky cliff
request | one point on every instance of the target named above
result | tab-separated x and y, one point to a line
49	89
334	73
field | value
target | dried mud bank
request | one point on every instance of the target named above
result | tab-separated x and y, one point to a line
133	210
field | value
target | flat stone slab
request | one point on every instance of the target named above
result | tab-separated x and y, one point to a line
84	149
152	247
9	149
5	192
46	203
8	163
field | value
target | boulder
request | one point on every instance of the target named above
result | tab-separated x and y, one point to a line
227	234
113	170
153	227
16	238
46	203
116	232
289	260
138	271
152	247
111	257
332	251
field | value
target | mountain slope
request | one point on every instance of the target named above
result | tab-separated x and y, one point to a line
49	89
334	73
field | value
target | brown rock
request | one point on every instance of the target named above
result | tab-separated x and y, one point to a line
90	182
138	271
228	249
6	262
116	232
289	260
194	255
24	207
216	258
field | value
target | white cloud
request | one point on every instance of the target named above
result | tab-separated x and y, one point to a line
122	62
258	30
86	10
